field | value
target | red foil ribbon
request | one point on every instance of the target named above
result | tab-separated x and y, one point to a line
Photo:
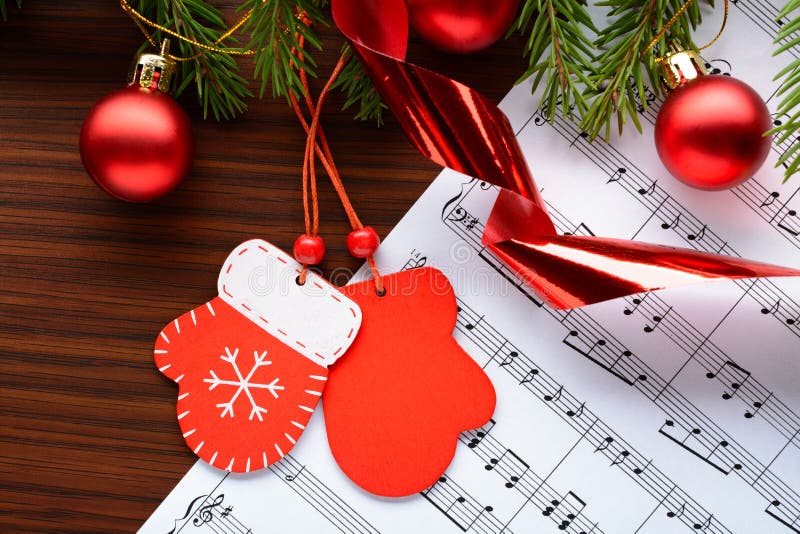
457	127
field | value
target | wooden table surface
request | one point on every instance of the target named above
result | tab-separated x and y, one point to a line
88	436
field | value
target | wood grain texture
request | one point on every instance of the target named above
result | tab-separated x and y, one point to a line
88	436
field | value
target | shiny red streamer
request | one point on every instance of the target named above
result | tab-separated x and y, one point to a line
457	127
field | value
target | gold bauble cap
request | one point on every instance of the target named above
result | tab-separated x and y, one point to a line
680	66
154	71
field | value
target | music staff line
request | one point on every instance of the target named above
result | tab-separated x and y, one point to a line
604	350
518	475
316	493
663	318
513	469
778	214
737	382
752	193
763	15
462	509
210	511
603	440
675	217
569	409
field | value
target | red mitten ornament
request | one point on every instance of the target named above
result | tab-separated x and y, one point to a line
396	402
251	364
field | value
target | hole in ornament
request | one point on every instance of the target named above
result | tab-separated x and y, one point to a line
381	292
298	281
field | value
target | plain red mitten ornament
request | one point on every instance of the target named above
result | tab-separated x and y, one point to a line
710	130
251	364
137	143
461	26
396	402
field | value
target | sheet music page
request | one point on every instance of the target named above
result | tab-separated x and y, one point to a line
668	412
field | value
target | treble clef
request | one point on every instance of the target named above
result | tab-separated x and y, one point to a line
205	513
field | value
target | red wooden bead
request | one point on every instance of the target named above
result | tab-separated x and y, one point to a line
363	242
309	249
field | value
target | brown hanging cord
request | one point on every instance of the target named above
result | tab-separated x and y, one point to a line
314	131
674	19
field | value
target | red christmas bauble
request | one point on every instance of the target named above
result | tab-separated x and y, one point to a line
461	26
710	132
137	144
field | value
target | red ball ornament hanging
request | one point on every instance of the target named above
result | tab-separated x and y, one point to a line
461	26
710	131
137	143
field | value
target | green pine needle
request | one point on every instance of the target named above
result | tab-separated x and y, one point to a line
787	129
220	88
357	87
3	12
558	52
275	37
623	61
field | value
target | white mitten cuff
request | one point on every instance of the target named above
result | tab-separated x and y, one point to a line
260	281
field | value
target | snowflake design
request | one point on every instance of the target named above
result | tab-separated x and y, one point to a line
243	383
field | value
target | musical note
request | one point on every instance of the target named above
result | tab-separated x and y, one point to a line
554	397
569	507
674	224
529	376
582	135
576	413
656	322
604	444
617	175
452	501
772	309
640	470
509	358
724	69
636	303
621	457
776	511
771	198
510	465
293	477
581	229
734	375
480	434
698	236
649	191
679	513
471	325
571	341
691	443
704	525
785	225
757	405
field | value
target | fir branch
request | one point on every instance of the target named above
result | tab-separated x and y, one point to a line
623	62
558	51
787	129
276	31
357	87
3	12
220	88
